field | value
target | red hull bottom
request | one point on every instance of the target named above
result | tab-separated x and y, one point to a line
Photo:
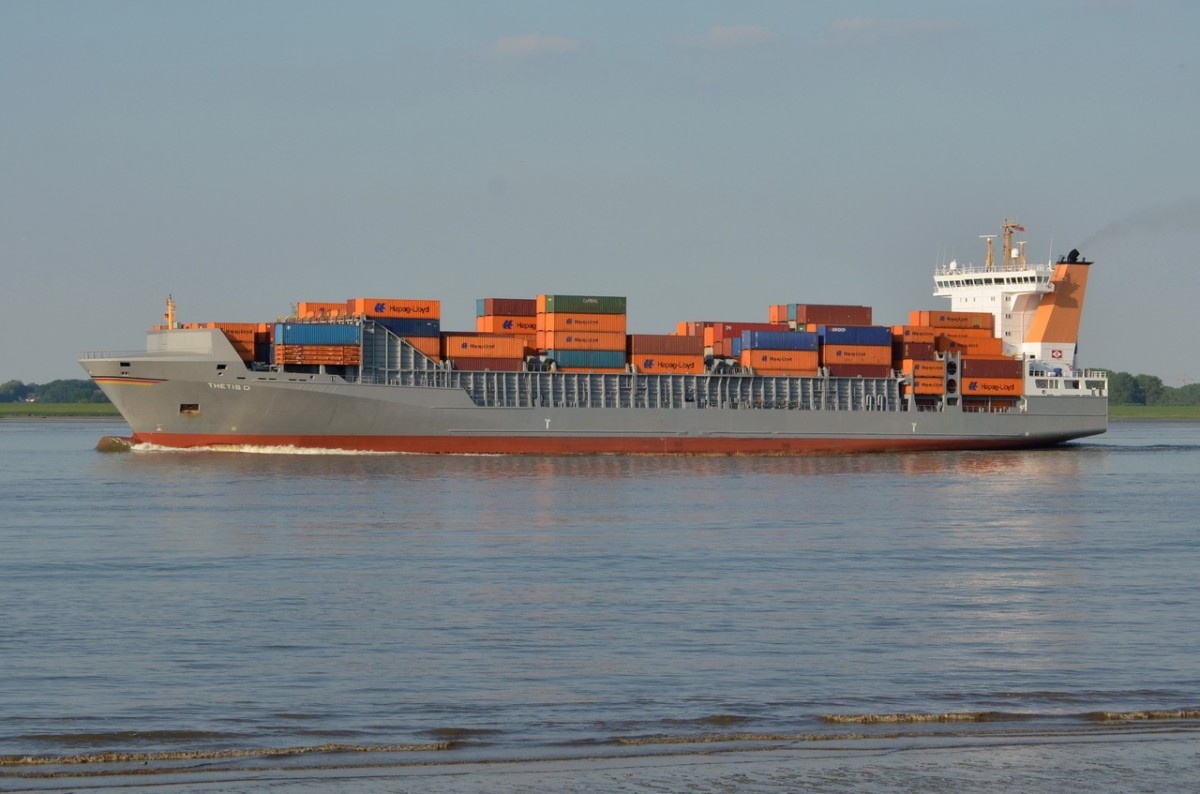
569	445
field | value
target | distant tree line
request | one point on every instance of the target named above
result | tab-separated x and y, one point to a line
56	391
1126	389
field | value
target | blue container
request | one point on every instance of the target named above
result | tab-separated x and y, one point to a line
480	311
781	340
410	326
877	335
735	346
600	359
317	334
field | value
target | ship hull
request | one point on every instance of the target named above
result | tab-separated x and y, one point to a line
187	402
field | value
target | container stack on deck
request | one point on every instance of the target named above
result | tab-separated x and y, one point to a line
941	353
667	354
780	352
506	316
418	322
582	332
921	348
856	351
250	340
724	340
318	343
799	315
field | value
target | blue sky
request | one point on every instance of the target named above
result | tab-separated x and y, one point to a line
705	159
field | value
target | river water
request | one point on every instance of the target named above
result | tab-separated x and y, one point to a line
195	616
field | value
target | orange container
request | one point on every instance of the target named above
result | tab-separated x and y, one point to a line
506	324
668	364
567	321
485	345
580	340
938	319
431	346
921	334
923	369
392	307
926	386
965	333
780	359
856	354
233	327
333	355
778	314
664	345
992	387
970	345
310	310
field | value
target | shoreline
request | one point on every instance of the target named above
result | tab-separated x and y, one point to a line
1127	758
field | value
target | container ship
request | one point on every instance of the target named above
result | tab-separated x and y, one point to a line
562	374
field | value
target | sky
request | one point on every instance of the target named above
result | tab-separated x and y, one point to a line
704	159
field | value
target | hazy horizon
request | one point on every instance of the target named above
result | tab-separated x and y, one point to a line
703	159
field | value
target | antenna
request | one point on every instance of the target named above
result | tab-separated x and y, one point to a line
989	238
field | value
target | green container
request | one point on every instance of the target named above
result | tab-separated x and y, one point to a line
585	304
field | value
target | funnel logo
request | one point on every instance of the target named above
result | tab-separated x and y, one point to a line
1055	354
507	325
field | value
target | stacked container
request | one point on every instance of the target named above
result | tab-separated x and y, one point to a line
936	319
913	343
986	371
799	315
318	343
481	351
969	342
994	377
724	340
417	322
928	377
850	351
780	352
582	332
506	316
669	354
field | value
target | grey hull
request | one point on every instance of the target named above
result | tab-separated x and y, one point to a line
199	393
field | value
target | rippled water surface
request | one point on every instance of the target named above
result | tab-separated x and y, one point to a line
487	607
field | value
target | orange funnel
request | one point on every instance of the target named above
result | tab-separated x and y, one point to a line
1057	317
